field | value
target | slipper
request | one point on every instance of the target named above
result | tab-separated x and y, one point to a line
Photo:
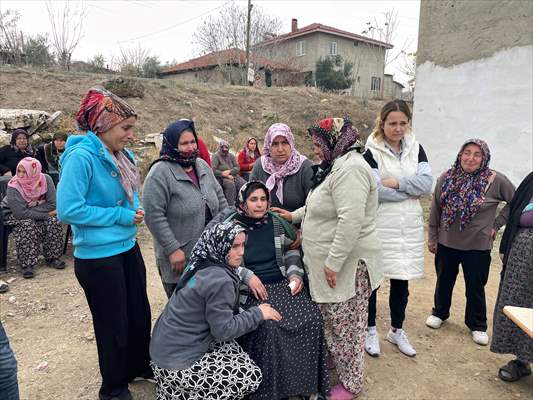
4	287
513	371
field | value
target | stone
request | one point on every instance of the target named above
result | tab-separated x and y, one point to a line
125	87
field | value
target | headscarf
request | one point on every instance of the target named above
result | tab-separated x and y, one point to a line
223	155
462	192
211	250
290	167
336	137
242	217
100	110
28	150
33	186
255	154
169	149
51	152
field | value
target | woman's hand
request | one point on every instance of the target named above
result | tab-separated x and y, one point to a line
52	213
8	173
257	288
298	285
177	260
331	277
432	247
390	182
298	241
226	174
282	213
139	216
493	233
269	313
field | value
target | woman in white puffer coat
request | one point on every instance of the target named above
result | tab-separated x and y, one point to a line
403	174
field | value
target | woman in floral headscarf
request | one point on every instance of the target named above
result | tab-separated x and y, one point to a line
98	197
462	228
341	246
286	173
31	197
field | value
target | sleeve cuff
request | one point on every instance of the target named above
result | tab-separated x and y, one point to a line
126	216
334	264
171	248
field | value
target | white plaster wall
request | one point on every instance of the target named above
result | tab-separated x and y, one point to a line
490	98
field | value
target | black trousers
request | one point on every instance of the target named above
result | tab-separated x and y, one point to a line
476	265
398	295
115	288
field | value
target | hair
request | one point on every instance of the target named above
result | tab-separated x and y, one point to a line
393	105
60	136
252	187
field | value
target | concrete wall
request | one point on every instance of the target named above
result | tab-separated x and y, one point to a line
469	86
391	89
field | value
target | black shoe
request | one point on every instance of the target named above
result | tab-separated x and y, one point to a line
124	396
4	287
56	263
27	272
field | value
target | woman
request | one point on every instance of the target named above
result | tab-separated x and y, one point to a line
286	173
50	153
247	157
11	154
462	227
31	198
402	173
180	197
194	354
516	286
291	354
341	246
226	170
98	197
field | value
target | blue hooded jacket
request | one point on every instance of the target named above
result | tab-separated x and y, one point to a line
92	200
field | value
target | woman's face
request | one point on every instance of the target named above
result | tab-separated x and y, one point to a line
471	158
119	136
257	204
395	126
187	143
21	141
21	172
317	150
280	151
235	254
252	145
59	144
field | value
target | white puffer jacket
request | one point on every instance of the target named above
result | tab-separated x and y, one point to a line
400	225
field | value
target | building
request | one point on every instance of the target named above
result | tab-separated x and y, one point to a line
228	66
475	79
391	88
302	47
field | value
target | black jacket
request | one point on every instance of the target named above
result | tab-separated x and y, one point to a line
9	159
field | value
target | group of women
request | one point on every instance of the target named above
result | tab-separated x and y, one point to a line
267	293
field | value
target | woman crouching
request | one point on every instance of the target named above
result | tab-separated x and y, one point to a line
194	355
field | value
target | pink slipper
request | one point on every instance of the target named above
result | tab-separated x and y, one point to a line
339	392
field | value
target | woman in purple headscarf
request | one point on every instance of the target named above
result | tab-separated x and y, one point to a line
286	173
462	227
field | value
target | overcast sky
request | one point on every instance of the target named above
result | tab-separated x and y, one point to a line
165	28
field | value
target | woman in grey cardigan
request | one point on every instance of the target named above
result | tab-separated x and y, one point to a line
180	196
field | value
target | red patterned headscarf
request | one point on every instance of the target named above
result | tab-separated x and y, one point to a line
31	187
100	110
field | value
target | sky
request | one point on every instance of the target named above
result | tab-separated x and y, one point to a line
165	28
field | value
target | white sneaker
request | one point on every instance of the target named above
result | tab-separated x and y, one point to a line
480	338
399	338
372	342
434	322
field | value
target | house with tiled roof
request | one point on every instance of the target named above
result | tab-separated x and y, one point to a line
302	47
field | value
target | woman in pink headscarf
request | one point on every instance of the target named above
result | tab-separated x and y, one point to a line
31	198
286	173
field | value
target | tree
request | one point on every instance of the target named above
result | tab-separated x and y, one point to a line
408	67
97	63
36	51
67	29
131	60
151	67
11	39
333	73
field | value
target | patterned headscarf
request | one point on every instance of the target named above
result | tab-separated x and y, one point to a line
290	167
14	135
242	217
169	149
463	192
336	136
223	155
100	110
33	186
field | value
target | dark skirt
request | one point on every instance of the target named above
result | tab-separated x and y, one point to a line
292	352
516	289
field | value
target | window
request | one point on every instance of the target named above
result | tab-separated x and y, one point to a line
375	83
300	48
333	49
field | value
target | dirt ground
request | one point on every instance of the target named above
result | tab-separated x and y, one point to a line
47	319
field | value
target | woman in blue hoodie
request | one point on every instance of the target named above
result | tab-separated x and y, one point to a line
98	197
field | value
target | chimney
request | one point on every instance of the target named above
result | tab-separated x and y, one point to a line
294	25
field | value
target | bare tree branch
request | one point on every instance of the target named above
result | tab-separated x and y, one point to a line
11	39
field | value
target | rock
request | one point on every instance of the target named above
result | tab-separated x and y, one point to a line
43	365
11	118
11	280
12	299
125	87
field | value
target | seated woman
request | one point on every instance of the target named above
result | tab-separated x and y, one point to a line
292	353
194	354
226	170
31	197
16	150
49	153
247	157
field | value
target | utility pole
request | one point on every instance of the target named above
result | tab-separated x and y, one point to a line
248	22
